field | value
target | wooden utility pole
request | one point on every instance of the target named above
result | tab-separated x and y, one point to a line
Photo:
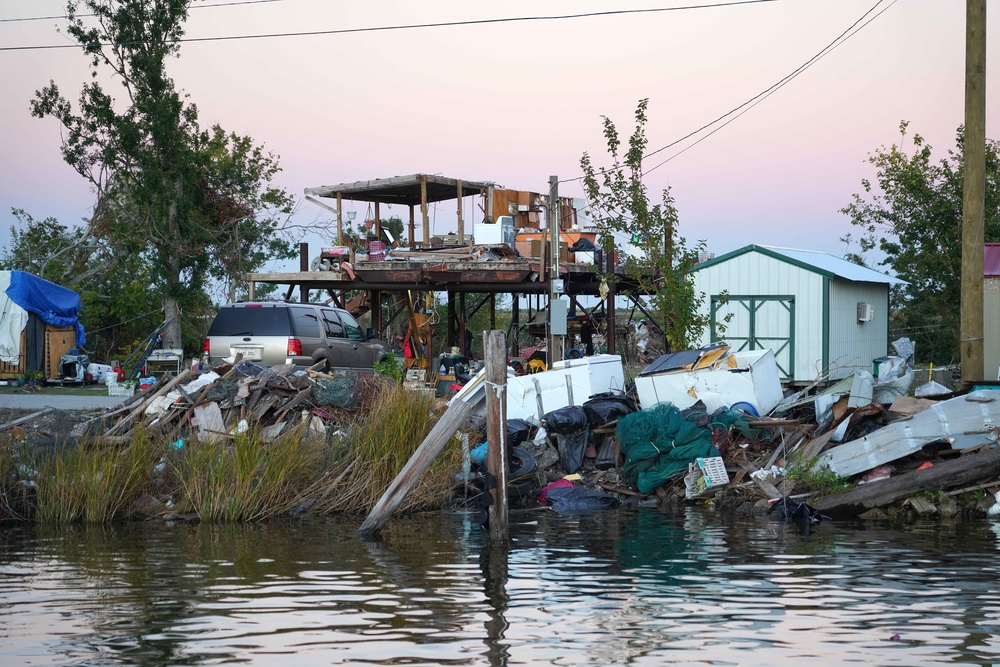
495	357
973	203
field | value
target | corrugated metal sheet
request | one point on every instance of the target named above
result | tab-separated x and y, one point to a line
991	260
837	266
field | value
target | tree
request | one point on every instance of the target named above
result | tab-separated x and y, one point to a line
620	204
913	214
195	204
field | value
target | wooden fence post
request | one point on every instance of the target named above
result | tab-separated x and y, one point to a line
496	431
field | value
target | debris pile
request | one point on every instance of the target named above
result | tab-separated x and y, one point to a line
713	424
231	399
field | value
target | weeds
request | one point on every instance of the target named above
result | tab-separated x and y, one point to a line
236	478
821	481
380	444
246	478
92	484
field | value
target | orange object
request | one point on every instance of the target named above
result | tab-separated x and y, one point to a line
926	464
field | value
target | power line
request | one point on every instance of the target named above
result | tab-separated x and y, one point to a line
412	26
759	97
62	16
754	101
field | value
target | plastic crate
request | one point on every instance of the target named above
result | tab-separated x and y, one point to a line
705	475
120	389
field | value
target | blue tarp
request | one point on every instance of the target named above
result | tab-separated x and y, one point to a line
56	305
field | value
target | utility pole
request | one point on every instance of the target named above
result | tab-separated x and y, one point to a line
973	202
557	307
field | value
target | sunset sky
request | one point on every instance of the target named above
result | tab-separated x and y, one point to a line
516	101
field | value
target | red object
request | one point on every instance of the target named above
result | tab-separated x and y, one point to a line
925	465
205	347
294	347
119	373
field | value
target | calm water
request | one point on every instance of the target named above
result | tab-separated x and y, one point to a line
628	587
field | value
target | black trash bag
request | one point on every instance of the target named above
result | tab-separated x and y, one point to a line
583	245
566	420
607	456
790	510
605	408
518	431
572	447
580	499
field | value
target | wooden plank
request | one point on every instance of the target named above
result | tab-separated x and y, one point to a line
978	412
457	413
814	447
123	424
26	418
949	474
295	401
58	341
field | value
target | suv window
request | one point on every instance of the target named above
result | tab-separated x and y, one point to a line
305	321
354	331
250	322
334	328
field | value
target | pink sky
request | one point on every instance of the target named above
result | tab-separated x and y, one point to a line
515	102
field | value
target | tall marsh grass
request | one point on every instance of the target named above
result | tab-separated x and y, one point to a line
237	478
248	479
380	443
92	484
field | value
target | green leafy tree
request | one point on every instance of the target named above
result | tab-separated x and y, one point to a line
621	206
194	204
912	212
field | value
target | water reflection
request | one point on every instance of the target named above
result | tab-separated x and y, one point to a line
631	586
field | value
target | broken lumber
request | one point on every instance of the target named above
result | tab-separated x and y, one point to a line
456	414
940	476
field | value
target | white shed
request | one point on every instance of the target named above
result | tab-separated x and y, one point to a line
817	312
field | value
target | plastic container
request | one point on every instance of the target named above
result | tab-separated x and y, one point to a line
704	475
115	389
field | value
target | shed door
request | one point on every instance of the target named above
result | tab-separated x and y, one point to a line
756	323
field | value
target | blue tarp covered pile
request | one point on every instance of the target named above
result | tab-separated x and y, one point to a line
27	304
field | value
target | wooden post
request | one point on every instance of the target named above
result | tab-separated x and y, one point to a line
378	224
423	211
461	222
496	431
340	222
303	267
515	320
973	200
610	309
412	238
463	323
453	418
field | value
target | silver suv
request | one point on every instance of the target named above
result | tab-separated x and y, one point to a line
302	334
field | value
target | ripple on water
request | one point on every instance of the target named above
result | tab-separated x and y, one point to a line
615	587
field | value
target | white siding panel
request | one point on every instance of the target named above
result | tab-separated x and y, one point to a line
755	274
855	344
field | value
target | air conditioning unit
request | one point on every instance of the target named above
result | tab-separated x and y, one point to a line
866	312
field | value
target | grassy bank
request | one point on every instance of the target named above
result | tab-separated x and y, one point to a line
234	478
